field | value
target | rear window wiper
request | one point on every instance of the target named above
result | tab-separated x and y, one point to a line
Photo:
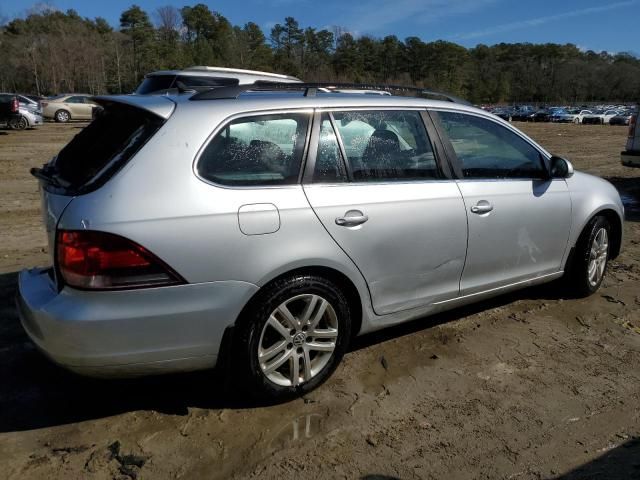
48	175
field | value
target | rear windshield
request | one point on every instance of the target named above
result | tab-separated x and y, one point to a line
158	83
104	146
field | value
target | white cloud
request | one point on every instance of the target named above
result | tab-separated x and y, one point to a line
534	22
374	16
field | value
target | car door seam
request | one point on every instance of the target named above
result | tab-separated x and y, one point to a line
340	247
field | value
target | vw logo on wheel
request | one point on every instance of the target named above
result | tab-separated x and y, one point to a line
299	338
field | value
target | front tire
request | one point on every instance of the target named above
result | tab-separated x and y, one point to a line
591	257
292	337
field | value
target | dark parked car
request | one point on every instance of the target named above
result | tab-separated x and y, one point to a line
504	113
595	118
543	115
622	119
9	108
522	114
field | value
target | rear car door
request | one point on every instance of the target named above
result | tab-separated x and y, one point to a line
519	218
375	181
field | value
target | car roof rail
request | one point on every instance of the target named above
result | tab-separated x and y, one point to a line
310	90
207	68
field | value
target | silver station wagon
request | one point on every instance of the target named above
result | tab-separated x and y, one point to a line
276	222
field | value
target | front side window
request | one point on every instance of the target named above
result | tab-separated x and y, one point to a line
259	150
75	100
488	150
386	145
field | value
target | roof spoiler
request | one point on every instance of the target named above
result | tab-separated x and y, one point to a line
160	105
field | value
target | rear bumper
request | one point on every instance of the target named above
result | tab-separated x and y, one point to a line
630	159
134	332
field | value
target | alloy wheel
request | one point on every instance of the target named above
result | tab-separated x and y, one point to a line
598	255
298	340
19	124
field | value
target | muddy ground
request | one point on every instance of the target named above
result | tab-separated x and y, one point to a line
527	386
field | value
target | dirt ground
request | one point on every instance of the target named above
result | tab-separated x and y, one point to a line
526	386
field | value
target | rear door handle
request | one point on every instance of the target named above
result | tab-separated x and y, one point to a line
352	218
482	207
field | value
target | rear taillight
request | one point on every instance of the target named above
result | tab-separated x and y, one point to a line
99	260
15	105
44	104
632	126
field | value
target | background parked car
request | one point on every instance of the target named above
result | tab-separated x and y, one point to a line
573	116
594	118
26	118
503	113
600	117
522	113
29	114
9	108
542	115
621	119
558	115
204	77
63	108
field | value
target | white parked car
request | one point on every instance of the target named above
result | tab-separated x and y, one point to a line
600	118
573	116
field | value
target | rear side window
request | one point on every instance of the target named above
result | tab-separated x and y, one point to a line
488	150
386	145
329	167
104	146
258	150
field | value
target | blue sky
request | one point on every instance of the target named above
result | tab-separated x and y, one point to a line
590	24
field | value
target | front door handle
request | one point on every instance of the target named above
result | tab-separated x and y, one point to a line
352	218
482	207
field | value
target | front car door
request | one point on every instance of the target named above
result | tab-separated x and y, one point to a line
519	218
377	185
79	107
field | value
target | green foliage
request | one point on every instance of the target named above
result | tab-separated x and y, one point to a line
51	51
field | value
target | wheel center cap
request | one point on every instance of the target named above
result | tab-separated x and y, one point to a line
299	338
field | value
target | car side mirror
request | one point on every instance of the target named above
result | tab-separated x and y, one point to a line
561	167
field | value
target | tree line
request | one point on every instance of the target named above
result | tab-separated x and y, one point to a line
50	51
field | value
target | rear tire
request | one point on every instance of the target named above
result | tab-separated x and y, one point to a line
19	124
62	116
276	355
590	259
